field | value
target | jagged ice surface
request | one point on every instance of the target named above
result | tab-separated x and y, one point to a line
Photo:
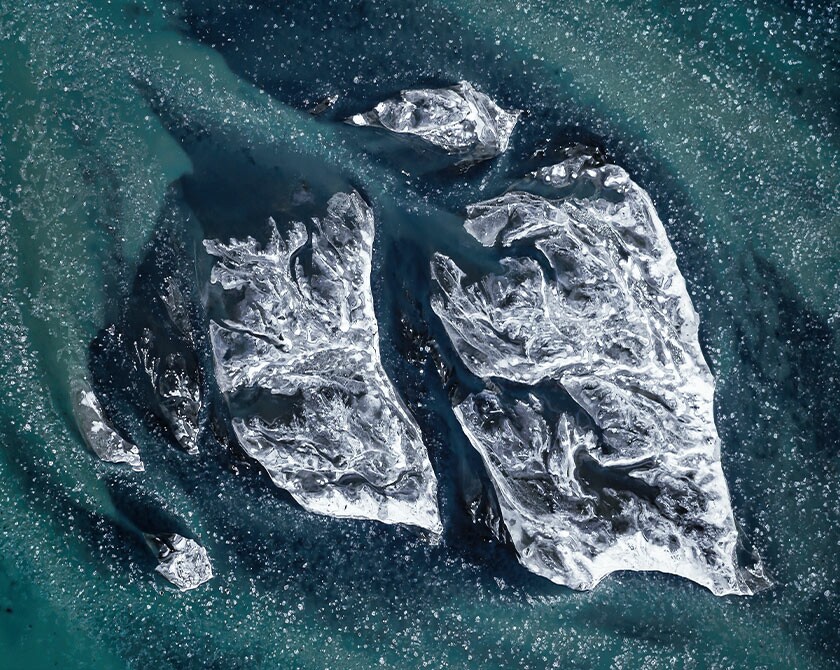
183	561
590	300
459	119
175	383
98	432
301	336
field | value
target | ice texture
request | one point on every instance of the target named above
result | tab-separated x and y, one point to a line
459	119
298	360
590	305
172	370
98	432
183	561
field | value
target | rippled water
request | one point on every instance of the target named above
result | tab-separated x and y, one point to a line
132	130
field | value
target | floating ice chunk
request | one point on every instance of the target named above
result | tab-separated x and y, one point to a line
176	308
459	120
173	371
182	561
97	431
177	391
592	304
323	104
298	360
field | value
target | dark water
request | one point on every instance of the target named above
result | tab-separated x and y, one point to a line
131	131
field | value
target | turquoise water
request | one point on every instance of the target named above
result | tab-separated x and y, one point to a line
130	130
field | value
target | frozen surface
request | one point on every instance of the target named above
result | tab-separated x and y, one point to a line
183	561
459	119
98	432
590	300
301	334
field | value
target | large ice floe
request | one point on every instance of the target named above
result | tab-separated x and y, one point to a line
459	119
596	422
297	357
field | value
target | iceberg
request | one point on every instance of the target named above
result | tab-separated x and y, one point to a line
297	358
182	561
459	120
98	433
596	420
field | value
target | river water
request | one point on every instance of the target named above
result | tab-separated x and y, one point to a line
129	131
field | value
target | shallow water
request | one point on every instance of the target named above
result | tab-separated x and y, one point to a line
132	130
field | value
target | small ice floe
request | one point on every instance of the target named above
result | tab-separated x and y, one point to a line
324	104
98	432
182	561
459	119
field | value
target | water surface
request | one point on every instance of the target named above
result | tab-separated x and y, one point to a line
132	130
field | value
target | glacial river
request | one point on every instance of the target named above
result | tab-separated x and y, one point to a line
131	131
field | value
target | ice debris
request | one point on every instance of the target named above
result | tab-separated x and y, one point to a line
324	104
182	561
173	371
